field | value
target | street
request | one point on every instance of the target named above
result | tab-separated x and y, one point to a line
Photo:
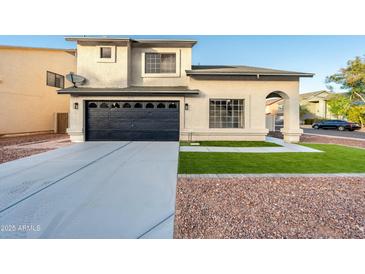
337	133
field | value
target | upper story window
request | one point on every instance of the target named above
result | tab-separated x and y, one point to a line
160	63
105	52
55	80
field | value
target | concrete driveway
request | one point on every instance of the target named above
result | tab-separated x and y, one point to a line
91	190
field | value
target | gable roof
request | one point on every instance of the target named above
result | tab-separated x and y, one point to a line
135	42
243	70
308	95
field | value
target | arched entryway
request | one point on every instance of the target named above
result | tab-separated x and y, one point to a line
282	115
275	102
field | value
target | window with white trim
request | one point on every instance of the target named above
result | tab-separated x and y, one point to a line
160	62
226	113
105	52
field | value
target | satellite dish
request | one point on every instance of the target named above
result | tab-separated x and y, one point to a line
75	79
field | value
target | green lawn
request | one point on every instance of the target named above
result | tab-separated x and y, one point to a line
333	159
232	144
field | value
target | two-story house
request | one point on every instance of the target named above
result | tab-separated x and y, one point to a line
29	78
149	90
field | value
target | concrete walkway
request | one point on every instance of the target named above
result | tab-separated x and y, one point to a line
91	190
285	147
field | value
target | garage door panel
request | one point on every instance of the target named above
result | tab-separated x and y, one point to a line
164	115
132	124
123	124
98	114
127	114
146	124
151	114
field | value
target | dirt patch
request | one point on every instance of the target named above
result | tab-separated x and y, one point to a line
12	148
270	208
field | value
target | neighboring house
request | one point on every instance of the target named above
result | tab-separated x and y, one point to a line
29	78
316	104
149	90
274	114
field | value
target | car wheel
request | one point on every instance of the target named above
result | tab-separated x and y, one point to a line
341	128
316	127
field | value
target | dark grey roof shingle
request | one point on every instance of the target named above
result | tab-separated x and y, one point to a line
242	70
132	90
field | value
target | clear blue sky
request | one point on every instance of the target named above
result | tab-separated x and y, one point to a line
322	55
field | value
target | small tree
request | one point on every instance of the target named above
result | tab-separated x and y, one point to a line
351	78
339	105
357	114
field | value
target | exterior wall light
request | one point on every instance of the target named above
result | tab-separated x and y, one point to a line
76	105
186	106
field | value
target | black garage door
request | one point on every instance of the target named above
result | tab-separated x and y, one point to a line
132	120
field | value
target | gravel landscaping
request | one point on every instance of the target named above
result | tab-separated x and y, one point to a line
270	208
12	148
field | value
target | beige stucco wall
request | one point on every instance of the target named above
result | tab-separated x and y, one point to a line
254	93
126	67
183	63
194	122
103	73
27	104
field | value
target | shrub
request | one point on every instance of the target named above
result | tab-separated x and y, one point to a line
356	114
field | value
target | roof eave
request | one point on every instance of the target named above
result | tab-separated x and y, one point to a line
121	92
37	48
247	74
136	41
95	39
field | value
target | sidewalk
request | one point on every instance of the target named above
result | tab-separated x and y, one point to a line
285	147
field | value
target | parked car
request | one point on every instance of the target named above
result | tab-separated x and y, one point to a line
336	124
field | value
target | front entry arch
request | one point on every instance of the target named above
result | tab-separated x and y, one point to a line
282	114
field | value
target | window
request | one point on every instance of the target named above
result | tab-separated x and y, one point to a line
115	105
226	113
127	105
104	105
172	105
55	80
105	52
160	63
138	105
150	105
161	105
92	105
